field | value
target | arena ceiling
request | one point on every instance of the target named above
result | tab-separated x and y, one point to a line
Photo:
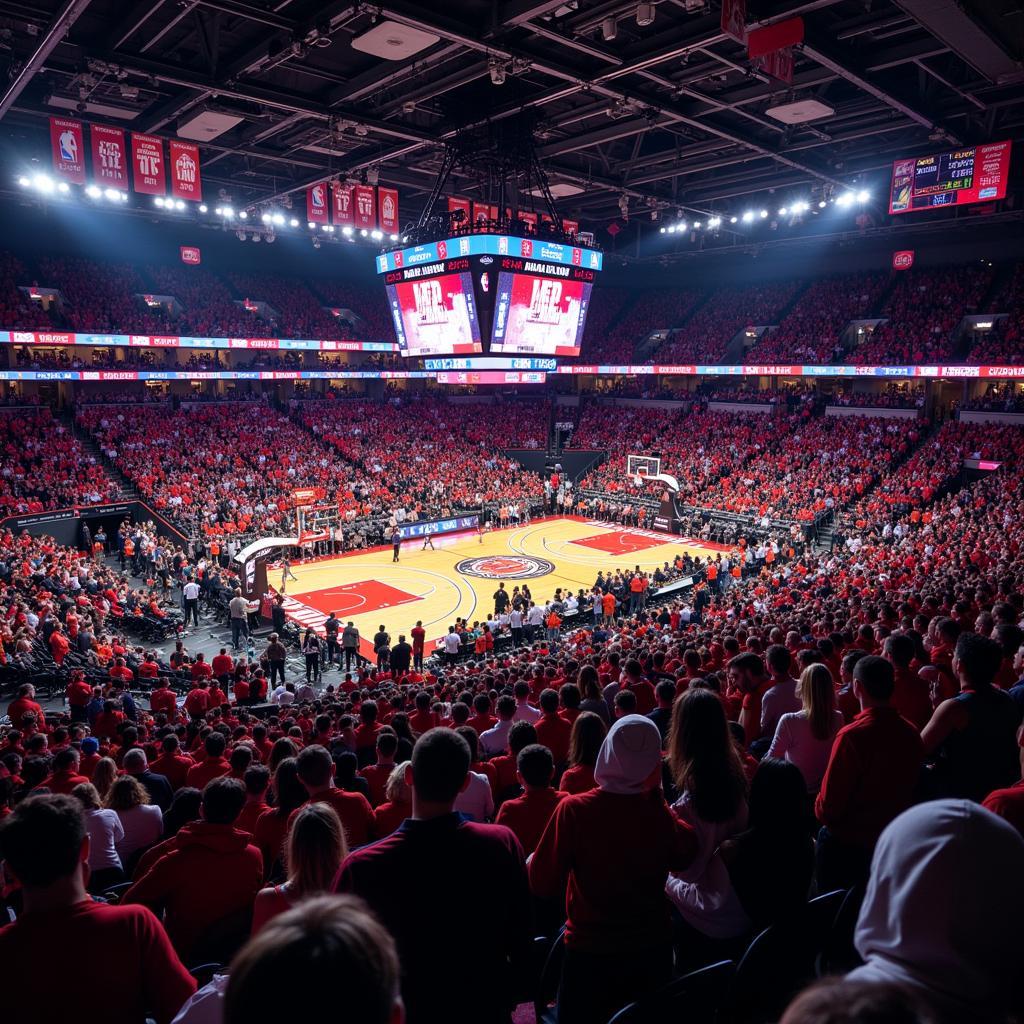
670	114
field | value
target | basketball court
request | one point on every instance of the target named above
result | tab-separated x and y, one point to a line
458	578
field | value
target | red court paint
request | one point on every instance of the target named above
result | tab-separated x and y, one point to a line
622	543
355	598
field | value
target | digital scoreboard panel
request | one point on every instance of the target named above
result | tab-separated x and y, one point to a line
525	296
974	175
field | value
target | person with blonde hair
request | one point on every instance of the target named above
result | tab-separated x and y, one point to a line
142	822
397	805
104	775
313	852
805	737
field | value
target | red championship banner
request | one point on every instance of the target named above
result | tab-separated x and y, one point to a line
528	217
734	19
343	205
570	227
67	144
481	211
778	64
148	169
387	200
109	157
191	254
316	203
903	259
455	203
186	181
366	206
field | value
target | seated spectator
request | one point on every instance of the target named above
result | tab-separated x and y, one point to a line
314	850
272	825
528	815
397	805
588	733
206	875
840	1001
157	786
142	823
316	773
389	875
44	843
105	832
942	910
608	852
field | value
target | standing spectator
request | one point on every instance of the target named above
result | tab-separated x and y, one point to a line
608	853
350	645
190	597
316	772
44	843
238	610
528	815
276	654
389	876
871	777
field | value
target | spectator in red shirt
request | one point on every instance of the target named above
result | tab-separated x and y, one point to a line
609	852
257	781
207	873
65	775
588	733
553	731
23	704
482	719
910	698
171	763
199	669
197	700
398	803
78	693
390	875
316	773
45	847
377	774
59	646
213	766
423	719
222	666
163	700
529	814
871	778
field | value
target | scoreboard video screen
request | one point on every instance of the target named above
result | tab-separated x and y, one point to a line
525	295
962	176
539	315
436	315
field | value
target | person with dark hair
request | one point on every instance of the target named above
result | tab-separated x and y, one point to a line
495	740
213	766
972	737
779	699
64	775
316	772
297	965
871	778
257	781
771	862
185	808
390	875
910	698
45	848
607	853
172	764
208	872
748	679
588	733
839	1001
529	814
506	766
272	825
378	773
708	775
553	731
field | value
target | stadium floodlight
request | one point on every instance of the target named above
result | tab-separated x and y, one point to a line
324	228
696	224
93	191
799	207
764	213
347	231
227	212
63	187
180	205
294	222
863	196
845	199
114	196
158	201
748	216
715	222
662	230
376	235
732	220
278	219
265	218
363	232
311	226
203	207
783	210
822	205
43	183
671	229
244	215
24	182
394	238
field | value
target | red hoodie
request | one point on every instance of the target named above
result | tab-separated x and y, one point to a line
203	875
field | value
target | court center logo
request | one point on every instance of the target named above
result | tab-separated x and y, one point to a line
505	567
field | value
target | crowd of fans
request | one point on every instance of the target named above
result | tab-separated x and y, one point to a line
682	777
1004	343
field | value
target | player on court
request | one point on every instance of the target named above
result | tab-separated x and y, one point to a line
428	540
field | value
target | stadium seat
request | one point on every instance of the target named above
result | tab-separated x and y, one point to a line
694	999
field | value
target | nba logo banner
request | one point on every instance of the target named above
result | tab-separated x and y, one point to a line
387	199
186	182
148	169
316	203
190	254
109	156
903	260
344	214
68	146
366	213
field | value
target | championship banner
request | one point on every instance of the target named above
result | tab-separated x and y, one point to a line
186	181
528	217
109	157
316	203
149	172
734	19
570	227
366	206
481	211
778	64
67	145
343	205
454	203
387	199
